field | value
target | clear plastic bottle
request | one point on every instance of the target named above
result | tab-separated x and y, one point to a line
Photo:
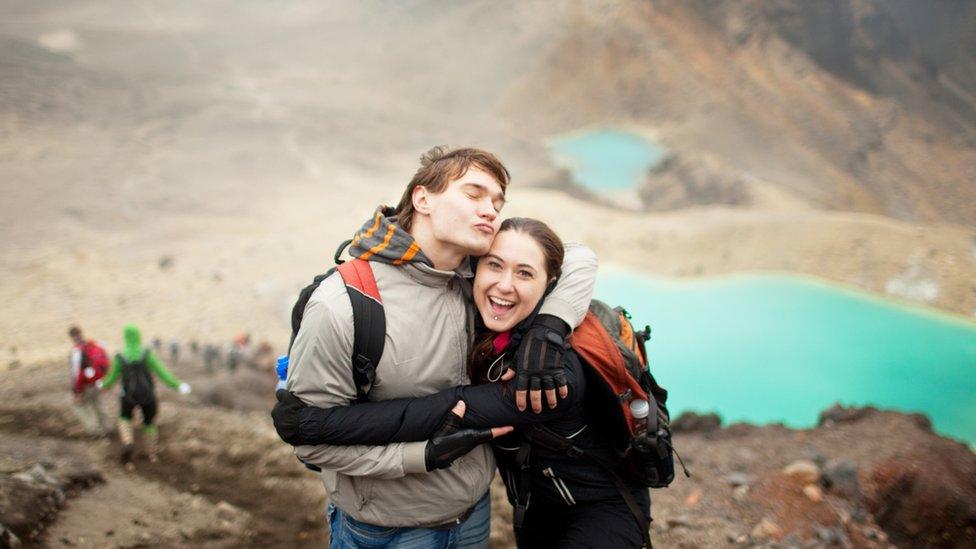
282	370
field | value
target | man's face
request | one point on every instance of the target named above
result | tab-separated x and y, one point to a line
77	339
465	215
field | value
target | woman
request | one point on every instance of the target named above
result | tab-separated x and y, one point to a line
559	500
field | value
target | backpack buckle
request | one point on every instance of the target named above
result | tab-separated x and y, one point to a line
365	367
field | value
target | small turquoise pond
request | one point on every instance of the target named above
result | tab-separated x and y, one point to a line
606	159
781	349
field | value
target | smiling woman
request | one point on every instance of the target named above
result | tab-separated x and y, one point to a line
511	279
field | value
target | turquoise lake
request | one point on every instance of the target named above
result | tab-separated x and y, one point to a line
606	159
781	349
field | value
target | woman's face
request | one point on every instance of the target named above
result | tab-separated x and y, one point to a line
510	280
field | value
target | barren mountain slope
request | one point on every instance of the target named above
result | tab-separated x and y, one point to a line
189	166
853	105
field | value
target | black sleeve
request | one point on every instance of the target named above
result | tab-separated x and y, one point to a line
382	422
493	404
415	419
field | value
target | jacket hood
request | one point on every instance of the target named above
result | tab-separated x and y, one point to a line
381	239
133	342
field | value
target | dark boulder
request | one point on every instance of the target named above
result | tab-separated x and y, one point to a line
927	499
691	422
839	414
840	477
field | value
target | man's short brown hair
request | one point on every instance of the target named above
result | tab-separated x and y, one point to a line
74	331
439	166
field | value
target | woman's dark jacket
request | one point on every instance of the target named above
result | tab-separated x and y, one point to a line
555	478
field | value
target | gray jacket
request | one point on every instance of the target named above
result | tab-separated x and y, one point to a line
428	332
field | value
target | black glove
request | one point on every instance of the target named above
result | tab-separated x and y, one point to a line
539	358
285	416
452	441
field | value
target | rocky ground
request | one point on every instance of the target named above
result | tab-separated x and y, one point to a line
862	478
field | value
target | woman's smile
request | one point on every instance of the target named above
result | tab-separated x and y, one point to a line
510	280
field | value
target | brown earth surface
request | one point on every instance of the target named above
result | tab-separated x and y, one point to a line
225	480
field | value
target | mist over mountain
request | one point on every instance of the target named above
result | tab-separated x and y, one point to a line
849	105
828	138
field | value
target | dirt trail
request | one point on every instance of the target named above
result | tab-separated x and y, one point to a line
223	479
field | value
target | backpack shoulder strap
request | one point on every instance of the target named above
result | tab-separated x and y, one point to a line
596	347
298	310
83	351
369	322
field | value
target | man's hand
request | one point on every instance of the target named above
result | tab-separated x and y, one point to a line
539	362
452	441
285	416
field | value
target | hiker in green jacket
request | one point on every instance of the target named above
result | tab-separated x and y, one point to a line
134	365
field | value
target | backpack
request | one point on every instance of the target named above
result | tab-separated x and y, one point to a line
369	319
94	356
137	382
616	367
614	361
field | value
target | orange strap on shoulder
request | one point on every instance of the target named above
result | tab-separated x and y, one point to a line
358	274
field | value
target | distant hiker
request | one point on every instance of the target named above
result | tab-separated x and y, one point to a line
194	348
210	356
89	363
233	357
135	365
174	351
239	351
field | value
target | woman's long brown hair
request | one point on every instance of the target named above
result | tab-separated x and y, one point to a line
483	351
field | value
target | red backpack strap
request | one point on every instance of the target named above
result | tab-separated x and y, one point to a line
359	274
369	322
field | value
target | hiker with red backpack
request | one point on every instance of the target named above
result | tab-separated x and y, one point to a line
89	363
136	366
409	286
577	475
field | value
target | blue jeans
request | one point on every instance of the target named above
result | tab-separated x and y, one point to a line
347	532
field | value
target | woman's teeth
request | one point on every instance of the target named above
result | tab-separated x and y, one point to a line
500	306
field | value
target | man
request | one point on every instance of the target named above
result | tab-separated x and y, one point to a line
88	364
136	365
413	493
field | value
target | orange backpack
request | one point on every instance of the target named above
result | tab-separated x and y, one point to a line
615	363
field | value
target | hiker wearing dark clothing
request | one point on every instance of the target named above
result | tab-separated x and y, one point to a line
211	354
136	366
174	351
560	500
